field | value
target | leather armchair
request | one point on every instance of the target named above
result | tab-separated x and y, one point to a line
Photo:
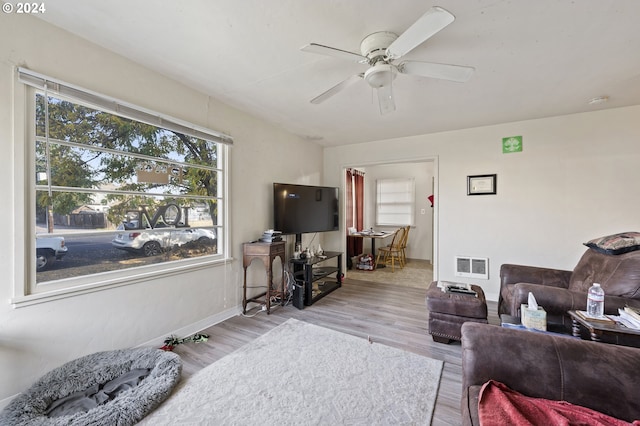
599	376
559	291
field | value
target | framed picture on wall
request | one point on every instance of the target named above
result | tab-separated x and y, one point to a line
481	184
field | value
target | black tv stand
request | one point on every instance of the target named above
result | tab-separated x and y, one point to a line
317	281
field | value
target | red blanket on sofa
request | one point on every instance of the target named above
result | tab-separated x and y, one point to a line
499	405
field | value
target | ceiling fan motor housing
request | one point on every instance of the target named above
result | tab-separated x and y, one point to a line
375	45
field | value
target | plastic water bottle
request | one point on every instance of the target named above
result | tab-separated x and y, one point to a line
595	301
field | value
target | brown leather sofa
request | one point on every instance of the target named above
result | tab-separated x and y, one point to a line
559	291
595	375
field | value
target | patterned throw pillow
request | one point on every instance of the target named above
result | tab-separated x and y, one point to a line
616	244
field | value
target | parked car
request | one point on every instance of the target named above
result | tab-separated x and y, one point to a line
48	250
151	242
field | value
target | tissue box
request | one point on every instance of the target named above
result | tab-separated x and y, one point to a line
532	318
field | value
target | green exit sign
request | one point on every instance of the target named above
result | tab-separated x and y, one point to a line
512	144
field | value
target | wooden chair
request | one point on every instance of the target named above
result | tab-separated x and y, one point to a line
392	252
403	245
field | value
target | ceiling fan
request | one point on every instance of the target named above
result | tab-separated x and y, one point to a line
380	50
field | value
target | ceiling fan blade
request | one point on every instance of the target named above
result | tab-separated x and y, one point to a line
332	51
457	73
429	24
337	88
385	99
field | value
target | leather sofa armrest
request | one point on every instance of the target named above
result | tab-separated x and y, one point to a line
560	300
512	274
554	300
599	376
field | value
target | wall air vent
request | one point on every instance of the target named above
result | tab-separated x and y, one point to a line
472	267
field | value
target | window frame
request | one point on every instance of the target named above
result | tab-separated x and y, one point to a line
26	290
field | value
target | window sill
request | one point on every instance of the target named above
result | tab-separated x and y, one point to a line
108	281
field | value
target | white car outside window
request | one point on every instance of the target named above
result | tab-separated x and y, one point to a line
152	242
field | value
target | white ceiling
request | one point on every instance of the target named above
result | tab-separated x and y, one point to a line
533	59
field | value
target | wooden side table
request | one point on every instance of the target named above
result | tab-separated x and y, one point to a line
617	334
266	253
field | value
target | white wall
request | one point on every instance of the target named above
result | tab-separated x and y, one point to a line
37	338
420	237
576	179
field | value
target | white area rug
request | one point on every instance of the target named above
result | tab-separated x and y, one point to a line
303	374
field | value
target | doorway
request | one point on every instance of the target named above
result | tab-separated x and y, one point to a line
422	250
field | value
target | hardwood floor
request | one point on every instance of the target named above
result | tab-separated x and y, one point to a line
390	315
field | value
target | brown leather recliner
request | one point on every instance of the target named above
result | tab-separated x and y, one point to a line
559	291
598	376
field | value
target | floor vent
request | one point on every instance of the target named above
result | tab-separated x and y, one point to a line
472	267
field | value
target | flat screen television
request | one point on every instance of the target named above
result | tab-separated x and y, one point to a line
300	209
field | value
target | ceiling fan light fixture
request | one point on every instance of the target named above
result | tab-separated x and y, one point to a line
380	75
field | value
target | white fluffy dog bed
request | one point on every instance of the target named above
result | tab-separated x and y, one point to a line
106	388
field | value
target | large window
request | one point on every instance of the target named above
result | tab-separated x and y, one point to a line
117	187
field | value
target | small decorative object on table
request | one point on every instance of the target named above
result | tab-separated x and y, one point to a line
271	236
459	288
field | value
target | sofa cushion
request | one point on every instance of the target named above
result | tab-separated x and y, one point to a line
618	275
623	242
499	405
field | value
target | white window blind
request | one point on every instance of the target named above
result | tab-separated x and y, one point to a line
395	202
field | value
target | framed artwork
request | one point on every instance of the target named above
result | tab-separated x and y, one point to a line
481	184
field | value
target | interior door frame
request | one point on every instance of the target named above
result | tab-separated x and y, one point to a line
436	221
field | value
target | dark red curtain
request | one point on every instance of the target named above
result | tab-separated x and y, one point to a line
349	200
355	209
358	179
